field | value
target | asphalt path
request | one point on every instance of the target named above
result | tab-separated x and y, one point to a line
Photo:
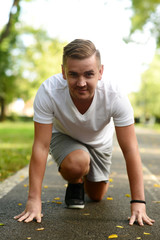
97	221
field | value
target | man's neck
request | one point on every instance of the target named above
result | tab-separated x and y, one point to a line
82	106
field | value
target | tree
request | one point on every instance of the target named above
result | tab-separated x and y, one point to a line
146	15
42	59
7	44
23	67
147	100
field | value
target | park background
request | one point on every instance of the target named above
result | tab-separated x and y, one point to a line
32	36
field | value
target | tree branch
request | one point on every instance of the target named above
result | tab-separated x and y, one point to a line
6	30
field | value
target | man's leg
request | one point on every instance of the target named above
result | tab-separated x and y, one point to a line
96	190
75	166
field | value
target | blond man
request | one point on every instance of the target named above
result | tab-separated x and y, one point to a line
75	114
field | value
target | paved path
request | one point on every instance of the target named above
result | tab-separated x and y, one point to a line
97	221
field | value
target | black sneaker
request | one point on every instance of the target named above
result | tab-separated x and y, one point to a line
75	195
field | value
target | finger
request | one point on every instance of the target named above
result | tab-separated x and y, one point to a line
38	218
148	221
29	218
140	221
151	220
132	220
23	217
20	215
32	216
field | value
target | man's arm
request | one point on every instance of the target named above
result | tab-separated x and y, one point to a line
40	149
128	142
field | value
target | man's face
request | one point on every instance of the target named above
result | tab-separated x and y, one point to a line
82	77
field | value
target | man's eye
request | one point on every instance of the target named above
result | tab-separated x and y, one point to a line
89	74
72	74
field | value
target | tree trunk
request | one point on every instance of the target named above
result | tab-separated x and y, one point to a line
6	30
2	107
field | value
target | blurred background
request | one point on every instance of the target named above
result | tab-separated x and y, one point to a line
32	36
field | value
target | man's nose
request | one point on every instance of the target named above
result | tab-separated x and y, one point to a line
81	82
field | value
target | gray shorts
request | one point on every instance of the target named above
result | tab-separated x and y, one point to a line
61	145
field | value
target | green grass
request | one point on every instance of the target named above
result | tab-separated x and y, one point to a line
16	140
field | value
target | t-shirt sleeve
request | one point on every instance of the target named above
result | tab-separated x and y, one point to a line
122	111
43	107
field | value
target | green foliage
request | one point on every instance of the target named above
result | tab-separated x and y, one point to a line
42	59
147	100
8	72
146	13
15	147
27	58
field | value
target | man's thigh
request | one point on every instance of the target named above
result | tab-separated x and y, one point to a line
63	146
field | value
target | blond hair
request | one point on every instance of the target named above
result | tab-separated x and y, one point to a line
80	49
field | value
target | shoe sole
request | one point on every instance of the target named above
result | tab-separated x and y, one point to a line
76	206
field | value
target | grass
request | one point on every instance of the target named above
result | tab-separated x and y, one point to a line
16	140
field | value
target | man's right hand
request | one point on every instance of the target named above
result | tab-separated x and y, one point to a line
32	211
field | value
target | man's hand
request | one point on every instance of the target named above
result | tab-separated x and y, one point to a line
32	211
138	213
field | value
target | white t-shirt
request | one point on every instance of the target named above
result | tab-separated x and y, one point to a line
53	104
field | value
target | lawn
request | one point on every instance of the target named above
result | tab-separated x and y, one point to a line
16	140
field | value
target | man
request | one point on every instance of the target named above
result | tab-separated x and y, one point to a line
74	114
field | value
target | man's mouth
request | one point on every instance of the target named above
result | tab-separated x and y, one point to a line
81	89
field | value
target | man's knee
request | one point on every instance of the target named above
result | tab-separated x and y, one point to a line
75	164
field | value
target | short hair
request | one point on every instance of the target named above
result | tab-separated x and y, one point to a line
80	49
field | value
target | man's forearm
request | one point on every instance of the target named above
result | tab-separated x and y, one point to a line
36	172
135	175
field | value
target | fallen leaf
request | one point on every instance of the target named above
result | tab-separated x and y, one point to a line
86	214
59	202
110	180
146	233
1	224
113	236
19	204
128	195
157	185
28	237
138	238
119	226
25	185
156	201
50	163
109	198
45	186
40	229
57	198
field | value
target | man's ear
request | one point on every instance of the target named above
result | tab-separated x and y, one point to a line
101	72
63	72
